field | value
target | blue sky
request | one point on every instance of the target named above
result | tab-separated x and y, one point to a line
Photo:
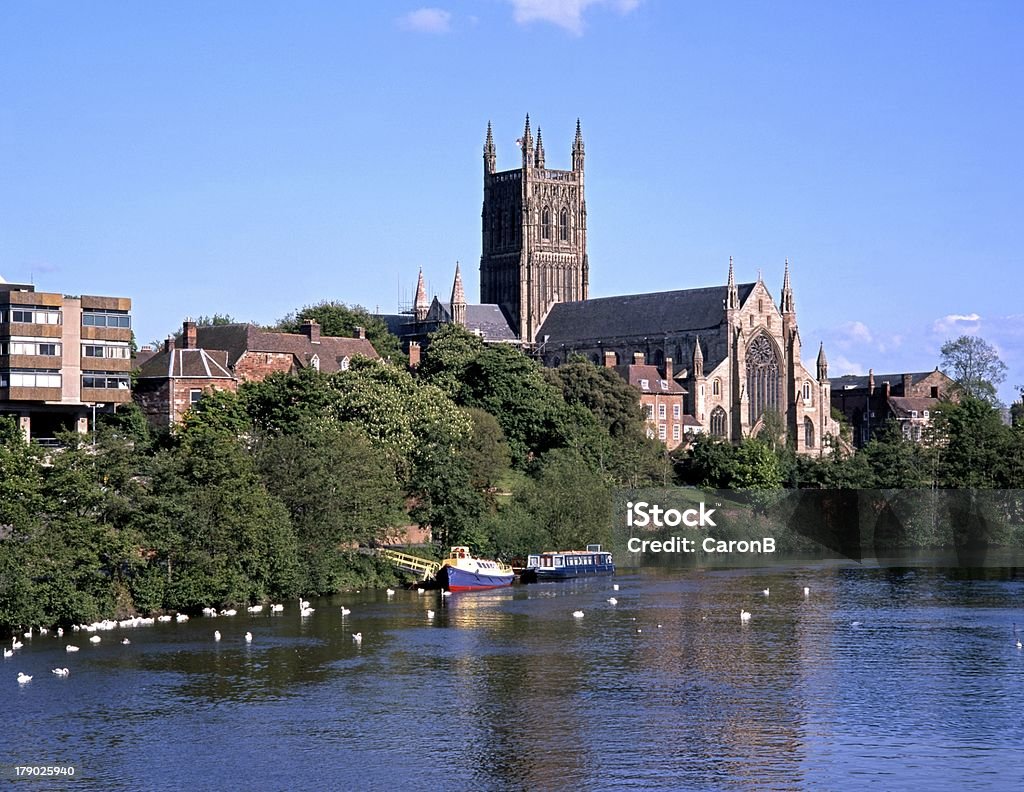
251	158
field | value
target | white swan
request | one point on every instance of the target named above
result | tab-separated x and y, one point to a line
276	608
23	678
181	617
43	631
94	639
248	637
612	601
744	615
357	637
70	648
766	592
16	644
216	635
577	614
345	611
125	642
430	614
303	604
807	591
307	611
420	590
60	632
8	653
164	618
229	612
60	671
255	608
615	586
390	592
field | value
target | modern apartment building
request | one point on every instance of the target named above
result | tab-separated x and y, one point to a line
62	359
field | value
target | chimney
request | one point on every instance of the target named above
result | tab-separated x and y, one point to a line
906	384
414	354
168	343
638	358
871	381
668	369
888	389
359	332
311	329
188	334
609	359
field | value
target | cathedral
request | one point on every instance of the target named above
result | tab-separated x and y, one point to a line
734	351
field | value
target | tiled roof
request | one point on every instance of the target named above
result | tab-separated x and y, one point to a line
634	315
852	381
689	420
238	339
191	363
902	406
647	379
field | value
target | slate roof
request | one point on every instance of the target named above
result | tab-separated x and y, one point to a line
190	363
853	381
486	319
237	339
632	315
638	374
902	406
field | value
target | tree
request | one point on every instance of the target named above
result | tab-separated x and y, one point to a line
612	400
974	366
338	319
972	444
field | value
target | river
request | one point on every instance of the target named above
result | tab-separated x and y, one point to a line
878	679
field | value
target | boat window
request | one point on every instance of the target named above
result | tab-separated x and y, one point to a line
558	561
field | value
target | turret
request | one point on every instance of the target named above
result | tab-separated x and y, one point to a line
420	305
577	149
458	303
822	364
787	306
732	298
539	156
490	155
698	360
527	143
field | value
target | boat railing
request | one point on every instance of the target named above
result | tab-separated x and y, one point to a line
410	563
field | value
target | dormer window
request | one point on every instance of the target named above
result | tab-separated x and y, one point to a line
645	384
664	385
315	362
345	361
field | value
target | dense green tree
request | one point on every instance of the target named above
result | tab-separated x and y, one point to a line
975	367
612	400
338	319
972	442
447	358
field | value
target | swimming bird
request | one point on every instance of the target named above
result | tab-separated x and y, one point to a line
70	648
60	632
744	615
766	592
577	614
8	653
248	637
254	608
125	642
638	630
306	611
807	591
612	601
430	614
181	617
29	633
345	611
23	678
1015	635
164	618
276	608
446	593
94	639
615	586
60	671
16	644
229	612
216	635
303	604
390	592
43	631
420	590
357	637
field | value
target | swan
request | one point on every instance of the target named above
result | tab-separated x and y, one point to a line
23	678
29	633
307	611
615	586
446	593
420	590
766	592
70	648
60	671
744	615
612	601
303	604
94	639
8	653
16	644
430	614
638	630
229	612
164	618
216	635
577	614
390	592
248	637
357	637
255	608
276	608
125	642
345	611
181	617
43	631
807	591
1015	635
60	632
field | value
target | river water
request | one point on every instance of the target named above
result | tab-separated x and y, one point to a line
879	679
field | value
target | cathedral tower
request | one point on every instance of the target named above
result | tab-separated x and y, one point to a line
534	241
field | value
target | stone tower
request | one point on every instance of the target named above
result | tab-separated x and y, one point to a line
534	241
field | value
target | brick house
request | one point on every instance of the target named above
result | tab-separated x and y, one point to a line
661	398
870	402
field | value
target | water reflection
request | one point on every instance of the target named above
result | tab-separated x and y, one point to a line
885	678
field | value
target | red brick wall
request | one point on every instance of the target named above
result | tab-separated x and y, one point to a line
256	366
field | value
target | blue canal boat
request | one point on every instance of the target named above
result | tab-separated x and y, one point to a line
564	564
461	572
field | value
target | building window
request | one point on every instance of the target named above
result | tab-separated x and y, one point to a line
563	226
105	319
675	432
661	412
194	395
675	411
109	381
645	385
29	348
716	387
345	362
718	422
35	316
121	352
924	414
649	412
34	379
807	391
808	433
913	413
545	223
762	377
314	362
662	432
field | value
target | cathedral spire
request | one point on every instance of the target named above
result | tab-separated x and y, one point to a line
458	303
490	155
539	159
788	305
822	363
732	299
577	148
421	306
527	143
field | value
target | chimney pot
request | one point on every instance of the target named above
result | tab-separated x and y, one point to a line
638	358
669	364
906	384
414	354
609	359
359	332
188	334
311	329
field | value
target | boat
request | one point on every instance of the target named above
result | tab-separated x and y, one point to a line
565	564
461	572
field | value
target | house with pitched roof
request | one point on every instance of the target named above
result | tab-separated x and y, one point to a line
870	402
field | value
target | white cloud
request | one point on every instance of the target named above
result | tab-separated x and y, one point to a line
566	14
840	366
958	324
854	334
427	20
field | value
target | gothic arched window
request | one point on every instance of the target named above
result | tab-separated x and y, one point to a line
545	223
718	422
807	391
762	377
716	387
563	225
808	433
